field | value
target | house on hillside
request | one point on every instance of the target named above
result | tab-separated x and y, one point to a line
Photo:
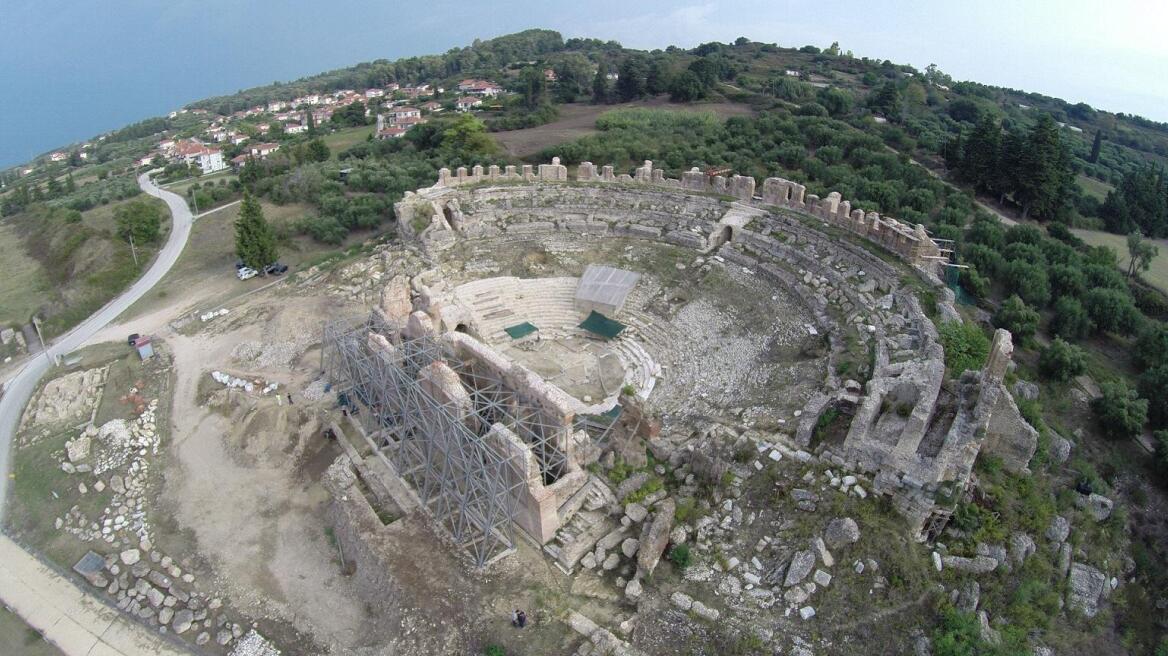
295	128
59	156
404	111
194	153
262	150
431	106
549	75
467	103
476	87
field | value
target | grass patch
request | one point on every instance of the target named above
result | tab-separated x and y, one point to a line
1156	276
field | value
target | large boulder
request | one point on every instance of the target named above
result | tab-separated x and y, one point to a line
655	537
1059	529
1085	589
801	565
1021	547
968	597
1060	449
841	532
1096	505
975	565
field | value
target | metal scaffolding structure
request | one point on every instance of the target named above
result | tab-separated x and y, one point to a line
438	448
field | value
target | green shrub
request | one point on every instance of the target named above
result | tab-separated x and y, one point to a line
1161	459
1061	361
494	650
680	556
966	346
1017	317
1119	411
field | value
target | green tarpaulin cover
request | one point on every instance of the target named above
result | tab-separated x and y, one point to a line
520	330
599	324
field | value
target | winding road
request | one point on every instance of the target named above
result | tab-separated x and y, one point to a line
66	615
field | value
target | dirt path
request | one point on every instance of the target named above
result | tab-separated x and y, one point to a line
241	490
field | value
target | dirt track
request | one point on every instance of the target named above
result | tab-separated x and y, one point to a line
242	486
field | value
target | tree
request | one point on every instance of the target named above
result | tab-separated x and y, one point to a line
631	83
886	100
1011	156
660	78
1140	253
1028	280
686	87
1017	317
311	124
1096	146
316	151
255	242
1161	465
980	159
837	101
467	137
1119	411
600	87
1153	385
572	77
1045	177
1070	320
140	221
1061	361
1139	202
352	115
1151	348
1111	310
532	87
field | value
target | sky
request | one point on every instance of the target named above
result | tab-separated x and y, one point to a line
72	69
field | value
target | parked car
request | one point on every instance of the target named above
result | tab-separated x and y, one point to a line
275	268
245	273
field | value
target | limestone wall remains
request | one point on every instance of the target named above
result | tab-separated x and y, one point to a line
907	241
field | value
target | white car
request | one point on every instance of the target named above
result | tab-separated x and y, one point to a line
243	273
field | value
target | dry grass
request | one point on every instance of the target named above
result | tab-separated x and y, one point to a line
205	272
23	284
1093	187
579	120
341	140
1157	276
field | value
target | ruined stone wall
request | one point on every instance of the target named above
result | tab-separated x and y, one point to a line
364	542
909	242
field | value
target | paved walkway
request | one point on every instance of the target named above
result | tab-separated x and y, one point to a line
69	617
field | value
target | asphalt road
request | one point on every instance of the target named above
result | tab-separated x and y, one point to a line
19	388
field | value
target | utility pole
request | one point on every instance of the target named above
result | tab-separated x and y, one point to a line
36	323
133	250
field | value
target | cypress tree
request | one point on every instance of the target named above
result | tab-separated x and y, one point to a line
255	242
1096	146
599	87
980	159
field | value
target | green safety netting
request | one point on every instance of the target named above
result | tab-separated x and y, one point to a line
599	324
520	330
